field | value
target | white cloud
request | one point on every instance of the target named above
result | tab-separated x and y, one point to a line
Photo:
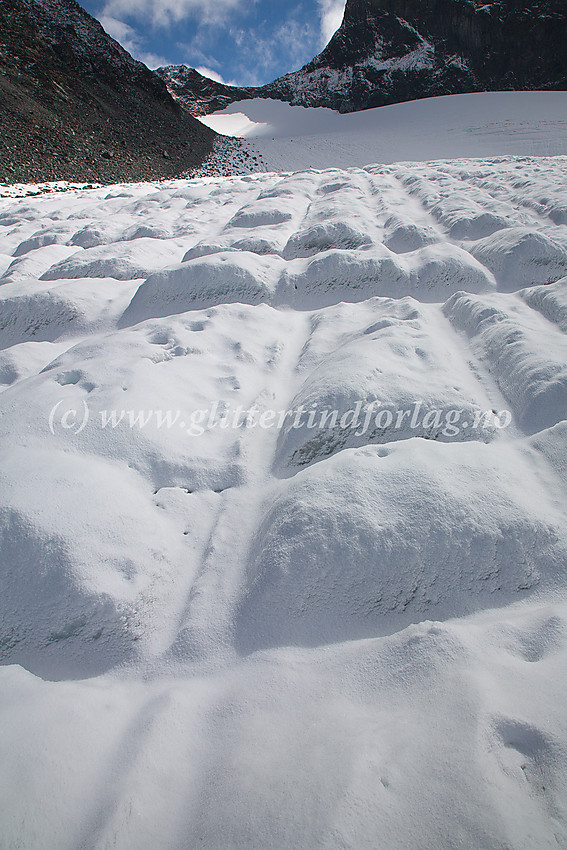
261	57
294	40
131	41
261	53
165	13
331	13
152	60
119	30
212	75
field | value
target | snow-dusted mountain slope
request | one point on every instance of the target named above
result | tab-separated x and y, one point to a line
469	125
283	548
393	51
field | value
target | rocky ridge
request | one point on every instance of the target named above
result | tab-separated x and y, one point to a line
392	51
74	105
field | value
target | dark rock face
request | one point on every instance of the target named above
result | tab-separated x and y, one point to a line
74	105
200	95
390	51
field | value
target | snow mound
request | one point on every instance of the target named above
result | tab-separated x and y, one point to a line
437	269
525	355
379	537
428	274
519	257
463	214
262	213
49	235
146	231
71	573
339	275
558	213
552	443
122	261
392	379
224	277
150	389
25	359
550	301
93	235
41	316
39	312
405	236
463	225
324	237
34	263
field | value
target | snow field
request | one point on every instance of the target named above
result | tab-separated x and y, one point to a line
488	124
219	633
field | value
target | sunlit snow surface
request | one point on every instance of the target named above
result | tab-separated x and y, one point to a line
472	125
281	637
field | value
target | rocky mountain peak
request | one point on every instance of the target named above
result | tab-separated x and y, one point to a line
390	51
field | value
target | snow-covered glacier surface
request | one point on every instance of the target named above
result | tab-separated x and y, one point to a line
283	548
520	123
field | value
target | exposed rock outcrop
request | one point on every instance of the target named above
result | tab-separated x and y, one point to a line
74	105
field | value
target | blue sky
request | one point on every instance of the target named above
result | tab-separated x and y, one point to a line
244	42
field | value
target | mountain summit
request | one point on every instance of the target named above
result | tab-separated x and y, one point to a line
391	51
